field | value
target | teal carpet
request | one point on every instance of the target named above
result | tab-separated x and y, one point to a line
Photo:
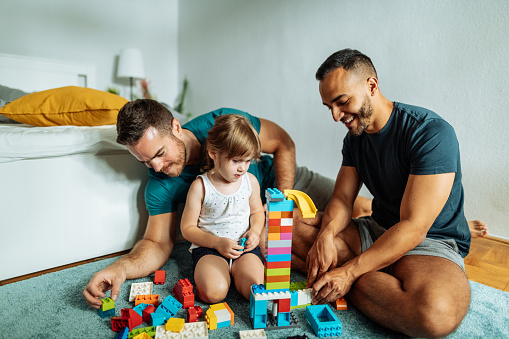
51	306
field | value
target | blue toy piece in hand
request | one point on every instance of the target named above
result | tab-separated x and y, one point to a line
242	241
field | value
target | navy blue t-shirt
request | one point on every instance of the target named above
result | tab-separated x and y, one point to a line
414	141
163	193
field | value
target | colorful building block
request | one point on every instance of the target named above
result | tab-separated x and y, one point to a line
219	315
168	308
149	330
341	304
144	288
193	313
147	312
149	299
107	304
159	277
323	321
196	330
133	318
183	291
123	334
252	334
118	324
139	309
142	335
175	324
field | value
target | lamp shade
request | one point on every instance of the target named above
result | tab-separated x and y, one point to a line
130	64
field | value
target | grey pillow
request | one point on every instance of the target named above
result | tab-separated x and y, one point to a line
7	95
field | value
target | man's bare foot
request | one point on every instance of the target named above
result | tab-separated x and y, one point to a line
478	229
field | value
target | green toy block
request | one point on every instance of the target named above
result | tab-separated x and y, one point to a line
107	304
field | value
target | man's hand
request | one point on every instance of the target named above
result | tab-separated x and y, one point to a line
321	258
102	281
332	285
228	247
253	239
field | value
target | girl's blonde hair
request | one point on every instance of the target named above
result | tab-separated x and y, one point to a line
232	136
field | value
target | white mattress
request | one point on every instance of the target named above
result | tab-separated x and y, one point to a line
20	142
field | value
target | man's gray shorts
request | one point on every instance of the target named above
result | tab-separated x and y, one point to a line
318	187
369	231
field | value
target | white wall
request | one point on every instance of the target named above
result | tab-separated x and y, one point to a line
447	55
95	31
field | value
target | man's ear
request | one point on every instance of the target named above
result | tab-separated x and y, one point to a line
372	85
175	127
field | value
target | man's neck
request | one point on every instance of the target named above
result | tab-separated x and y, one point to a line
382	110
193	147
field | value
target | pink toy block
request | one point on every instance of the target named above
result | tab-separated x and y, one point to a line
183	291
160	277
279	250
285	236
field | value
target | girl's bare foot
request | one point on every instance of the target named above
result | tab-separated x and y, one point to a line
478	229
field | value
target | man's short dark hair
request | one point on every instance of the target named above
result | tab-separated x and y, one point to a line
137	116
349	60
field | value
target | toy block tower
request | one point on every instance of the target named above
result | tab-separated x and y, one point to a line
278	256
278	252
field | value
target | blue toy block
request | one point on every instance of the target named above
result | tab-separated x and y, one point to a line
260	288
295	298
259	321
323	321
224	324
158	319
273	194
283	319
242	241
169	307
278	257
106	314
123	334
139	309
257	307
281	206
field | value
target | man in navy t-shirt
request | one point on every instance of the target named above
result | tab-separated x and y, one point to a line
402	266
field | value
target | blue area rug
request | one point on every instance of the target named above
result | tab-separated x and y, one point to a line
51	306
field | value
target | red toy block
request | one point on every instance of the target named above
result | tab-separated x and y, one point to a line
118	324
150	299
193	313
284	305
132	317
147	312
183	291
160	277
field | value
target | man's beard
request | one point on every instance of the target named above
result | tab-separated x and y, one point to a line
364	116
177	166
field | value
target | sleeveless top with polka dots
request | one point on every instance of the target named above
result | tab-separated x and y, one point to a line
226	216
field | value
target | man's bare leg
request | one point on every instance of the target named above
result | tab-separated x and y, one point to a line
422	296
362	207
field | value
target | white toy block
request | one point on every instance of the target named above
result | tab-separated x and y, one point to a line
140	289
252	334
196	330
223	315
304	297
286	222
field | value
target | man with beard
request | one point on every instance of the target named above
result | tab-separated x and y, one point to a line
402	266
174	154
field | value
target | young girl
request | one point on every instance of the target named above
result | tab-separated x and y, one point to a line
224	205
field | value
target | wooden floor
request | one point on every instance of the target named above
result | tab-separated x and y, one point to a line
487	263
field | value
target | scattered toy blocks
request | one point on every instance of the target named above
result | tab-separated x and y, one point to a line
159	277
147	312
323	321
168	308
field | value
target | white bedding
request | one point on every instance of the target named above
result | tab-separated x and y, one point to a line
20	141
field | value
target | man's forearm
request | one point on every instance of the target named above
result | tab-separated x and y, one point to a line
145	258
284	167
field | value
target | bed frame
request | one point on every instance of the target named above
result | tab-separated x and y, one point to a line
60	210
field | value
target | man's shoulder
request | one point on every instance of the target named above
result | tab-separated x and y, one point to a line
202	123
418	113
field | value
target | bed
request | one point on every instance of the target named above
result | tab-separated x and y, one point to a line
68	193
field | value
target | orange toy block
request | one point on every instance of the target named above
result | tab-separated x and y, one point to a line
150	299
160	277
341	304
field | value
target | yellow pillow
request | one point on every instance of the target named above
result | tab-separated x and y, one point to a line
70	105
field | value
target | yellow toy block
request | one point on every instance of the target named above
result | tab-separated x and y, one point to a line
142	335
274	236
277	271
277	285
211	319
274	215
175	324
